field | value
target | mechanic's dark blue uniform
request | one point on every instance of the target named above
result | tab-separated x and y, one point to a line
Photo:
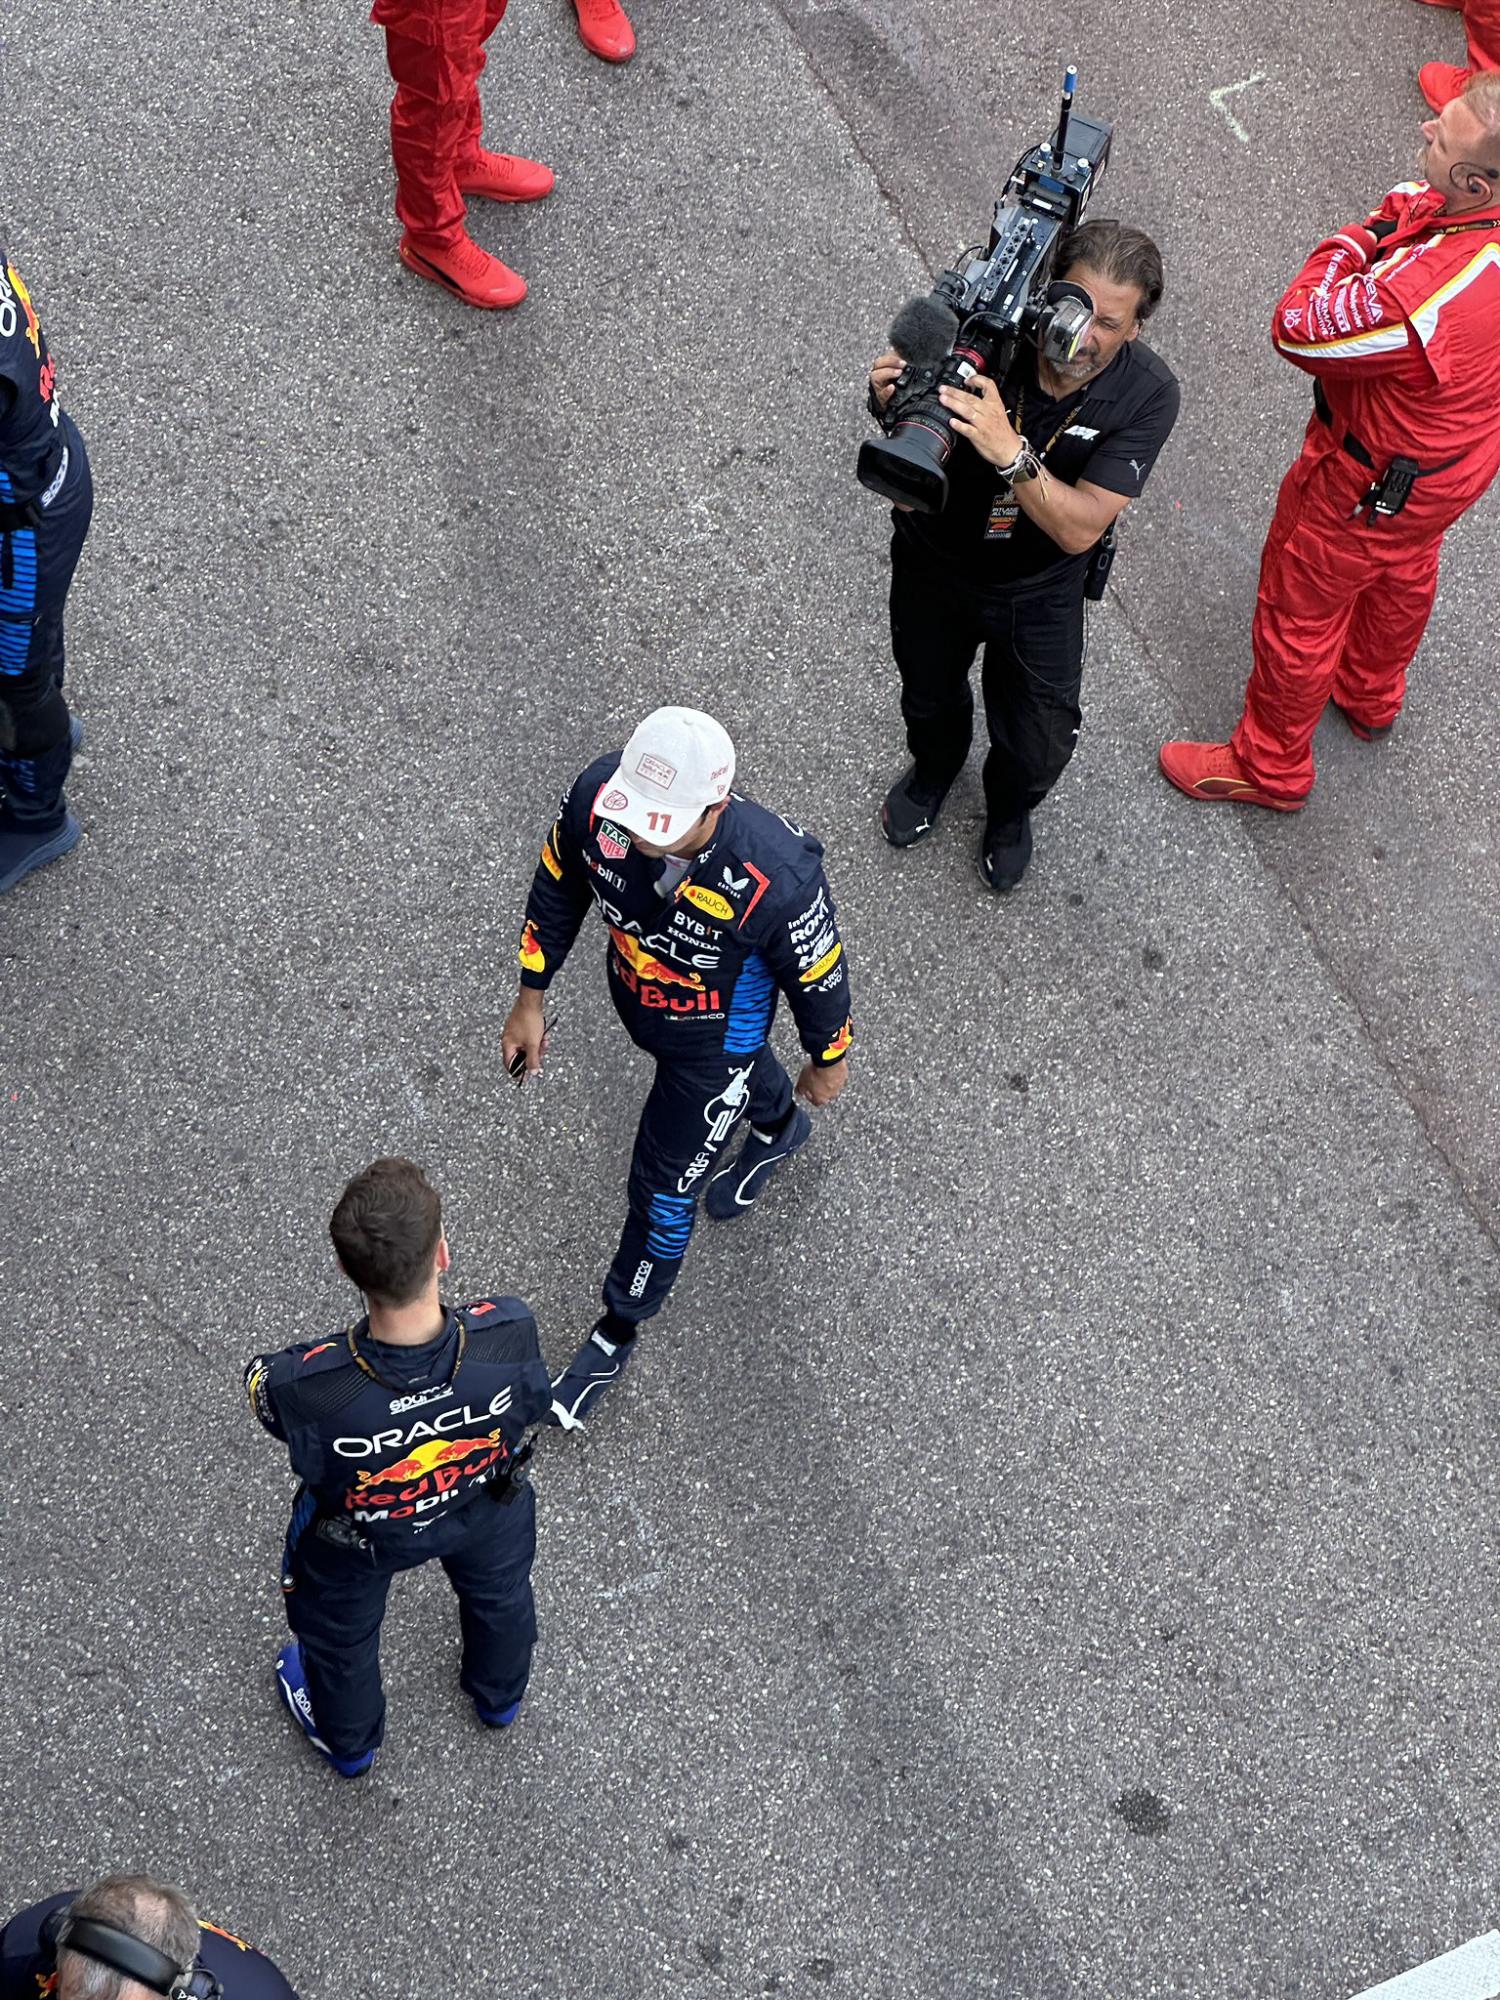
695	965
26	1960
406	1454
46	499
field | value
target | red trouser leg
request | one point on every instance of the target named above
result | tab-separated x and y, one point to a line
1384	634
469	143
435	52
1482	24
1312	571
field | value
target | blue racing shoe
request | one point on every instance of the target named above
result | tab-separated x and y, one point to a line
597	1366
292	1680
25	845
497	1718
738	1186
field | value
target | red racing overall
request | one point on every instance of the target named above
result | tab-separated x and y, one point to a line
435	49
1406	354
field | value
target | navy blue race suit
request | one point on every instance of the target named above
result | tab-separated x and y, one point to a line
26	1958
695	966
46	500
403	1453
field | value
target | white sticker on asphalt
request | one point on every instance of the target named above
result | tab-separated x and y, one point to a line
1470	1973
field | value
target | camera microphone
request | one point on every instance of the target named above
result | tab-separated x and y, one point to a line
922	332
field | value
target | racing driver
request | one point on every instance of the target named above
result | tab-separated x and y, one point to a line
405	1431
1394	318
712	903
126	1937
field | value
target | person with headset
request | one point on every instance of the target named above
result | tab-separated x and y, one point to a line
406	1432
1394	318
127	1938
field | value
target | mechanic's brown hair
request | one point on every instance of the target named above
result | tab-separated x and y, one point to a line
1124	255
153	1912
385	1230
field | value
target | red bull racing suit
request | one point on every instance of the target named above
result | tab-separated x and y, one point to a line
402	1453
696	962
1400	337
28	1958
46	501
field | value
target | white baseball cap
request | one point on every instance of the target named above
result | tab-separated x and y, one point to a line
677	764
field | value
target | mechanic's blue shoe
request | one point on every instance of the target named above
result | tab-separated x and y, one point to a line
292	1679
597	1366
736	1187
497	1718
75	734
25	846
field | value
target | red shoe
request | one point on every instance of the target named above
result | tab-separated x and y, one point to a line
1212	771
1440	83
1455	4
462	268
504	177
603	29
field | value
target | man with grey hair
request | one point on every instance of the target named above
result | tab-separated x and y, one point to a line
1394	319
129	1937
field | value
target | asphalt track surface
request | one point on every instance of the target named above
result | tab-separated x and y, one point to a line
1047	1551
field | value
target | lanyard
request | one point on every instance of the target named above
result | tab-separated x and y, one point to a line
1041	456
376	1376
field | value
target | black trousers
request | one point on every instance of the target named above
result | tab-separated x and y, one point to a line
337	1604
1033	641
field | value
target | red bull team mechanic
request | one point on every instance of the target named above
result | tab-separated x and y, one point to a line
1395	319
126	1938
713	905
406	1432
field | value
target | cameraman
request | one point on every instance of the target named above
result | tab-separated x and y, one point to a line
1044	464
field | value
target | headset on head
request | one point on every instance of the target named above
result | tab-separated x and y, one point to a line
127	1955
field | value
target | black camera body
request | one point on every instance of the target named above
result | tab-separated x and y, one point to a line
981	310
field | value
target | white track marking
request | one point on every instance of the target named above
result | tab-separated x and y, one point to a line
1216	99
1470	1973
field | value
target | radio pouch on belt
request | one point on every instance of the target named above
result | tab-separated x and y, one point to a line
1392	489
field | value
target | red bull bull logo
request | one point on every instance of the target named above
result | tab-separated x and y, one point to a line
532	957
656	982
425	1477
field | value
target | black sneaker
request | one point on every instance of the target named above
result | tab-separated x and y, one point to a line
1004	853
911	809
597	1366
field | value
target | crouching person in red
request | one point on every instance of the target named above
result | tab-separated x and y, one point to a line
1397	319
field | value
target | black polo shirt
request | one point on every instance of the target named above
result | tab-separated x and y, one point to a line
1108	431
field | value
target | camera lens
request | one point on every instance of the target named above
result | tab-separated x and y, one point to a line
908	467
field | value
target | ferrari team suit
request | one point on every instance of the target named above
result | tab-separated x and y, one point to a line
403	1454
28	1957
436	53
698	949
46	498
1441	82
982	573
1399	335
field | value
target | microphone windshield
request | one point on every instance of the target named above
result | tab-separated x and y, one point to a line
922	332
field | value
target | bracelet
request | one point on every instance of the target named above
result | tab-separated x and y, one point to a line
1010	471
